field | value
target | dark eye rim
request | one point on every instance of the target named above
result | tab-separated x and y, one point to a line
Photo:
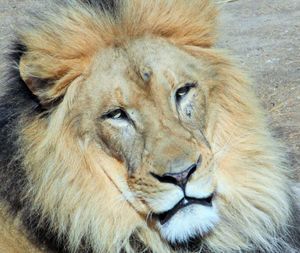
184	89
112	113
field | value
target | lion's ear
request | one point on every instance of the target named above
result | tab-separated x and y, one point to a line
46	77
36	83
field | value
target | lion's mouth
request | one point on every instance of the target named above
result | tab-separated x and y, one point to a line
186	201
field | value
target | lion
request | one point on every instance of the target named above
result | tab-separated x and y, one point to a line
124	130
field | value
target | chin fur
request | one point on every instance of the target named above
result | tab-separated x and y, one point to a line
190	222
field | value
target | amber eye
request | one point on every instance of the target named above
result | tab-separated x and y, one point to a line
183	91
116	114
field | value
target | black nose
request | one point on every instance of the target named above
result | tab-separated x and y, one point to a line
180	178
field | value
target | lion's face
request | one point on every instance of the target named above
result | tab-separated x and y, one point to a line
146	105
140	129
164	142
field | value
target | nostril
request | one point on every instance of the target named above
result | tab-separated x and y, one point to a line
179	178
164	178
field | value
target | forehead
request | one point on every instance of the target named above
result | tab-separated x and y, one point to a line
124	70
162	56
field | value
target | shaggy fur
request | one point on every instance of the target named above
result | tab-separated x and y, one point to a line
76	178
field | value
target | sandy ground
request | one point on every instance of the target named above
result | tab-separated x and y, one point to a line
264	35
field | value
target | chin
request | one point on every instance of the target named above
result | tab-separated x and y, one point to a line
189	225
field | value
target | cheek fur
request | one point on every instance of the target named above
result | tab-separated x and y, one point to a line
124	143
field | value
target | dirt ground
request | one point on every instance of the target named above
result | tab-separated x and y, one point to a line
264	35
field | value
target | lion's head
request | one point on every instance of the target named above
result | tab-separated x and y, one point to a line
143	134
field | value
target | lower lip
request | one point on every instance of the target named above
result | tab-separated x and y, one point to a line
166	216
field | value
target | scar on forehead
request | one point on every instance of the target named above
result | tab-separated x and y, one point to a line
146	73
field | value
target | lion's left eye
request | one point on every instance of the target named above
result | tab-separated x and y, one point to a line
117	114
183	91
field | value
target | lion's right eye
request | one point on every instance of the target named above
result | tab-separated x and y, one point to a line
116	114
181	92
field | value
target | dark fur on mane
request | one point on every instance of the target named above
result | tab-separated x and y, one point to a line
17	103
105	5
